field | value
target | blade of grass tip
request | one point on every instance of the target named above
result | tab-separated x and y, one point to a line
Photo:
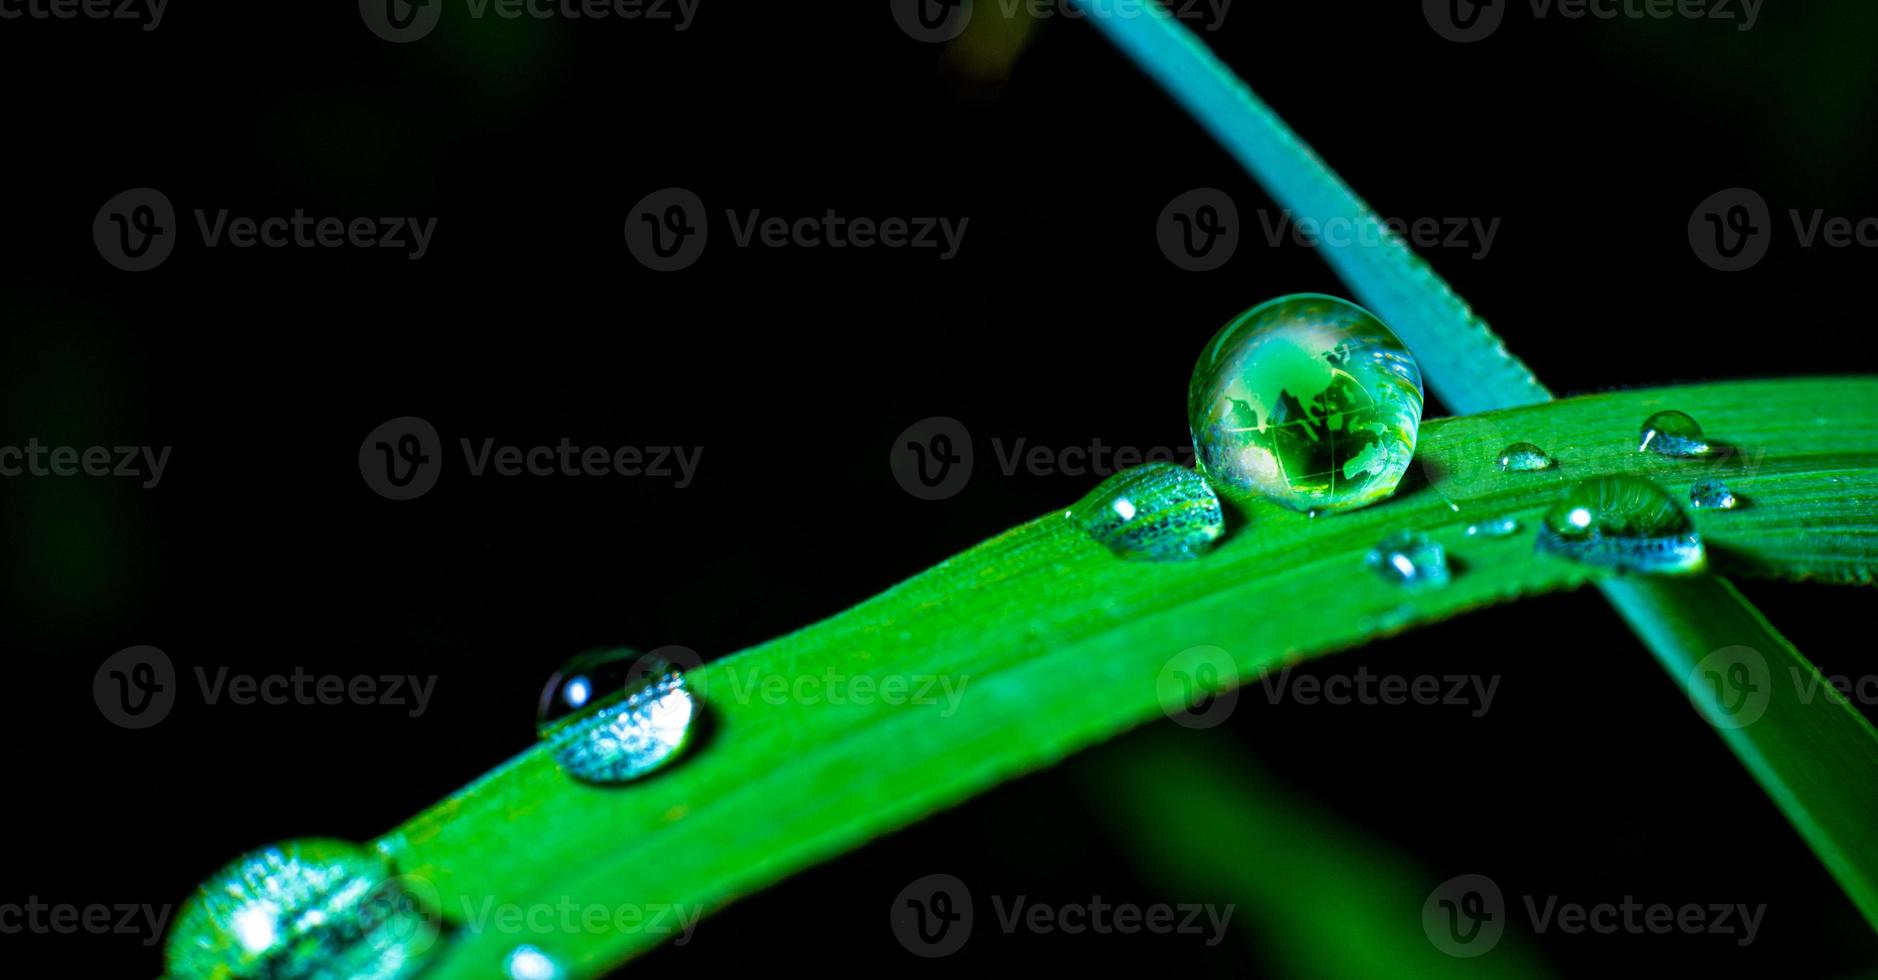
1320	898
1470	369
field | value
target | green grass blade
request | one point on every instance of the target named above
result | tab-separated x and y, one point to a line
1326	902
1796	735
1469	368
1052	644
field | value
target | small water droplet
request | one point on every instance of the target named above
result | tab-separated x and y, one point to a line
1499	527
1153	512
1308	401
1712	495
1523	457
1672	434
304	910
1409	559
528	962
1623	522
612	716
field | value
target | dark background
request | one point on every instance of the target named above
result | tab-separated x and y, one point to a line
1059	322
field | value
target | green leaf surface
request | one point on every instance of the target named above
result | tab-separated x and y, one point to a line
1051	643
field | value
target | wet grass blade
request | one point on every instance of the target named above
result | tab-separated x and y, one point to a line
1469	368
1041	642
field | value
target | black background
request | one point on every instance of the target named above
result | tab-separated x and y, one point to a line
1059	322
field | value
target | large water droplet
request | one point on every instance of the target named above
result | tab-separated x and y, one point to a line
1498	527
1308	401
1672	434
1155	512
1623	522
612	716
304	910
530	962
1409	559
1712	495
1523	457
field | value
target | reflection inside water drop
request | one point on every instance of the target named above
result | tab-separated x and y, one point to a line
1153	512
1622	522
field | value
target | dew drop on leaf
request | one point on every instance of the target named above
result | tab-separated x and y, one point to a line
1499	527
1153	512
1622	522
1523	457
612	716
1308	401
1712	495
305	910
1409	559
1672	434
530	962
